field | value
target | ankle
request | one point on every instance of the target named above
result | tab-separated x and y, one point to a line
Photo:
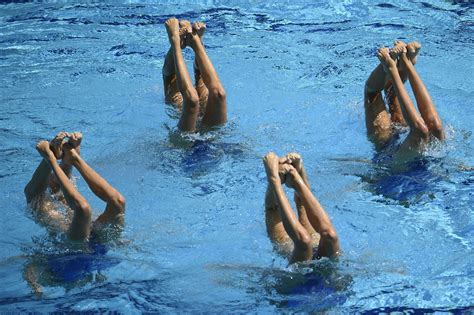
195	42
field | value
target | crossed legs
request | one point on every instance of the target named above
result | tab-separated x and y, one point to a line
35	190
178	82
282	222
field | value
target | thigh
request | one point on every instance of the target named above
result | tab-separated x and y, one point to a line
276	230
47	214
203	93
172	94
396	115
378	122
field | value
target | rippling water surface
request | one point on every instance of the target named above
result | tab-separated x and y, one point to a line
195	235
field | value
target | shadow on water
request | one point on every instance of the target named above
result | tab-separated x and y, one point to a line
55	261
409	181
419	180
316	286
194	154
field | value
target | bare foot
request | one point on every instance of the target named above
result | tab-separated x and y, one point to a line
71	154
184	30
199	28
289	175
74	142
43	148
386	59
399	43
413	50
283	170
271	163
172	27
397	51
56	145
295	160
75	139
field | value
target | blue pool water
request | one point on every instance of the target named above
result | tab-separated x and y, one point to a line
195	238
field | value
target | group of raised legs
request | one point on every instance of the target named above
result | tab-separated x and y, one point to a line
303	235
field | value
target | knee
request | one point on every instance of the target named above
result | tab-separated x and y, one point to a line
436	128
329	235
83	209
218	92
422	130
304	240
119	200
192	100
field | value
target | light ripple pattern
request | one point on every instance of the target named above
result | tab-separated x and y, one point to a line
195	240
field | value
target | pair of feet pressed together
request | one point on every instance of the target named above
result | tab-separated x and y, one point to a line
296	236
56	176
77	223
207	98
312	226
396	65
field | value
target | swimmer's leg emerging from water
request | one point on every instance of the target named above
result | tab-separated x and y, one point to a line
203	92
396	114
80	225
115	208
216	108
303	248
418	130
189	94
329	242
35	190
423	99
172	92
377	119
296	161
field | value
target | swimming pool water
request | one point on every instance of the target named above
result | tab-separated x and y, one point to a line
195	238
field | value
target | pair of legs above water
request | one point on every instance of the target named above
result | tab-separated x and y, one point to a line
312	226
56	176
208	94
396	65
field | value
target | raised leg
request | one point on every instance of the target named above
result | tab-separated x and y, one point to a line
329	241
377	119
172	94
423	99
275	229
418	130
36	187
80	225
303	249
67	168
396	114
115	208
35	191
216	108
203	92
38	184
296	161
190	112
